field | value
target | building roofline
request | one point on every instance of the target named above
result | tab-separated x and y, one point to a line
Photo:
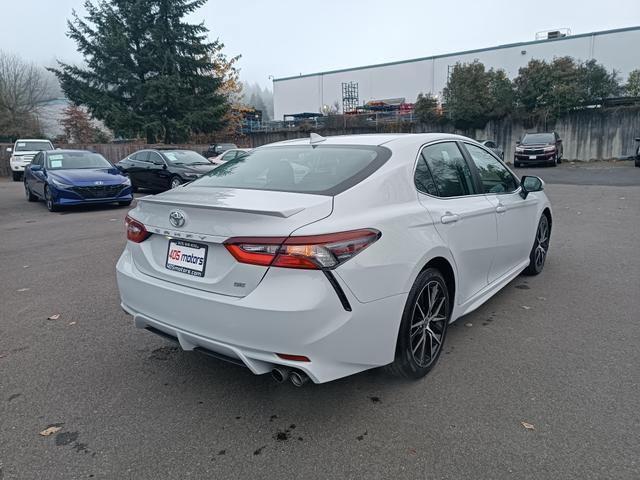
465	52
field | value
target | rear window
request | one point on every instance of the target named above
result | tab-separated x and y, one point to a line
534	138
320	169
32	146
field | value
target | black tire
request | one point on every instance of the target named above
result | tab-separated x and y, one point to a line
51	206
30	196
559	159
124	204
554	161
17	176
637	162
134	188
540	248
516	164
174	182
412	360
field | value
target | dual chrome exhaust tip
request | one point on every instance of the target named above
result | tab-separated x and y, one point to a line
282	374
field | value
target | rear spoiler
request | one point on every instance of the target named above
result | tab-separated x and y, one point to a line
176	203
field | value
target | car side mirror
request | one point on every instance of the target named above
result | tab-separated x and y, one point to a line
518	142
35	168
9	149
530	183
559	140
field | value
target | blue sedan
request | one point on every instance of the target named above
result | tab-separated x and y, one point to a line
75	177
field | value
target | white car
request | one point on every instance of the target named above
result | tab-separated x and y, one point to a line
319	258
23	152
228	155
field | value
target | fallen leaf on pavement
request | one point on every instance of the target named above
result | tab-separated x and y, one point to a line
528	426
526	308
25	266
468	324
542	298
72	323
22	289
54	317
50	431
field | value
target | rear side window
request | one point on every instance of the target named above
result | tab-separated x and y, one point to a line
320	169
423	179
449	170
142	156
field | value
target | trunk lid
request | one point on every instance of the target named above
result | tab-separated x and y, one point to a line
211	216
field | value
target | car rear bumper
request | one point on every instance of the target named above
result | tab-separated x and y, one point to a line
294	312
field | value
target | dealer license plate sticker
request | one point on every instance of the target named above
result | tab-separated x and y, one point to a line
187	257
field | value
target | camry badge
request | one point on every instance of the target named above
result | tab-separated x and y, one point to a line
177	218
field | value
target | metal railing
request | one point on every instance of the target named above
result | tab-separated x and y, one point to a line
369	119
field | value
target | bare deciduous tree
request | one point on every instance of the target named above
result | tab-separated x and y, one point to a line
24	88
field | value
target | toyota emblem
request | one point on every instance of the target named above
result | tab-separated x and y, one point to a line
177	218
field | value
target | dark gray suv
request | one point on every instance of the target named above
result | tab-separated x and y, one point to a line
538	148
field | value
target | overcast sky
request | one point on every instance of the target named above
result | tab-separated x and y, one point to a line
288	37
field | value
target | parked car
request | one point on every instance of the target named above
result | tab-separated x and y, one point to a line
535	148
74	177
319	258
163	169
637	161
217	149
23	152
493	146
229	155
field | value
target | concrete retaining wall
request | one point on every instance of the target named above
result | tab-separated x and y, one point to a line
588	135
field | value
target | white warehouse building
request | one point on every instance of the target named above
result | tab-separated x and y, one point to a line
615	49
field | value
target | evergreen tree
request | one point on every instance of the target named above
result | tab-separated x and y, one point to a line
468	97
147	72
427	109
632	87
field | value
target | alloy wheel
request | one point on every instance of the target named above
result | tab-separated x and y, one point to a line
175	182
542	243
428	324
48	199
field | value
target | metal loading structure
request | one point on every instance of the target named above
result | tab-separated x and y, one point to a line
349	97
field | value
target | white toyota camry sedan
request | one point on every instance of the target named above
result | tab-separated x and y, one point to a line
322	257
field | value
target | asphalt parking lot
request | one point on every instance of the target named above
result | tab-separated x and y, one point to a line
560	352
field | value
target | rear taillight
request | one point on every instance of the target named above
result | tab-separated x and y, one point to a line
135	230
309	252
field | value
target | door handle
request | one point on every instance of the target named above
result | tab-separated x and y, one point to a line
501	208
449	217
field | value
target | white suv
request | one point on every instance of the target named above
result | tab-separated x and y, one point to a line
23	152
